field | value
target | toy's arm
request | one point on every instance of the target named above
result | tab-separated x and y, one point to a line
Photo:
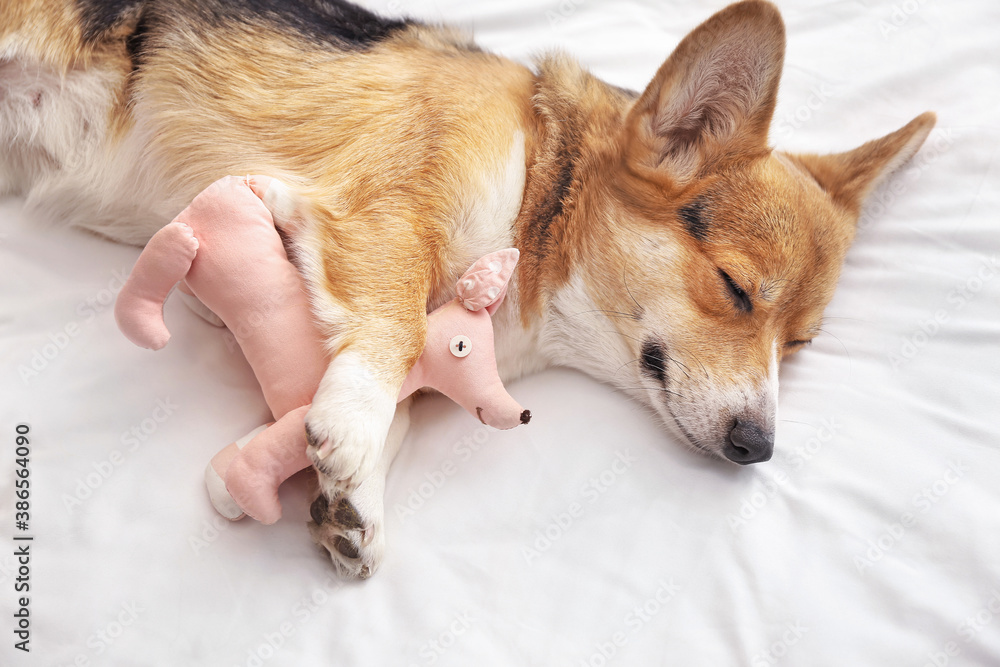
164	261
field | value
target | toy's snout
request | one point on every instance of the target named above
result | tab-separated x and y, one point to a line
487	398
502	411
525	418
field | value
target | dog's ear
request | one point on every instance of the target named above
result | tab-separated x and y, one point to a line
713	98
850	177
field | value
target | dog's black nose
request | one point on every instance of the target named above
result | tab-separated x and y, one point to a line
748	443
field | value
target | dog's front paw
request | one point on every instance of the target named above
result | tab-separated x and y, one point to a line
347	424
342	455
350	525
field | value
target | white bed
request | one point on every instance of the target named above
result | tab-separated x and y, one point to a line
588	537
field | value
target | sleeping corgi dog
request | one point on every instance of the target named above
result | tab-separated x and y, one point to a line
666	248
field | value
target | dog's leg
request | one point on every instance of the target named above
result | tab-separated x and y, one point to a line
356	400
351	525
379	335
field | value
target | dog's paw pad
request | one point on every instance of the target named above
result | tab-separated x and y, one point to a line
348	537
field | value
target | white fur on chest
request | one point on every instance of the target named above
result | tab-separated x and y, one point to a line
518	349
578	334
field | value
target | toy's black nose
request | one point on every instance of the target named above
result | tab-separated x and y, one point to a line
748	443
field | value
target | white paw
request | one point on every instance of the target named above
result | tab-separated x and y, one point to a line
346	426
350	526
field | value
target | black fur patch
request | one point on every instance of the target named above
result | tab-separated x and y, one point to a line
693	217
136	42
100	17
552	206
335	22
653	360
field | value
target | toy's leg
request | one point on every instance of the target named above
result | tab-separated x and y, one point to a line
197	307
256	472
351	525
215	476
164	261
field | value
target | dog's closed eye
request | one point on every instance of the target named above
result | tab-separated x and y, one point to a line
738	295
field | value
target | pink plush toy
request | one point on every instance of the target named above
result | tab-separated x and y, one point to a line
224	249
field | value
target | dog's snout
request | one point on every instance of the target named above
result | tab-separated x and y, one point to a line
748	443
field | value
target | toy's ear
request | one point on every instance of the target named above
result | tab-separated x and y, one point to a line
484	285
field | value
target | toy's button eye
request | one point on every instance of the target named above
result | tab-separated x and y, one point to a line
461	346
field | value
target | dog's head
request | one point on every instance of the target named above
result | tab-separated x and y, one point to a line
712	254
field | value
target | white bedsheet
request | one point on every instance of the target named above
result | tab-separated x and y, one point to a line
588	537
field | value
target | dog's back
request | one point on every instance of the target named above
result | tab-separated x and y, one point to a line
142	104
